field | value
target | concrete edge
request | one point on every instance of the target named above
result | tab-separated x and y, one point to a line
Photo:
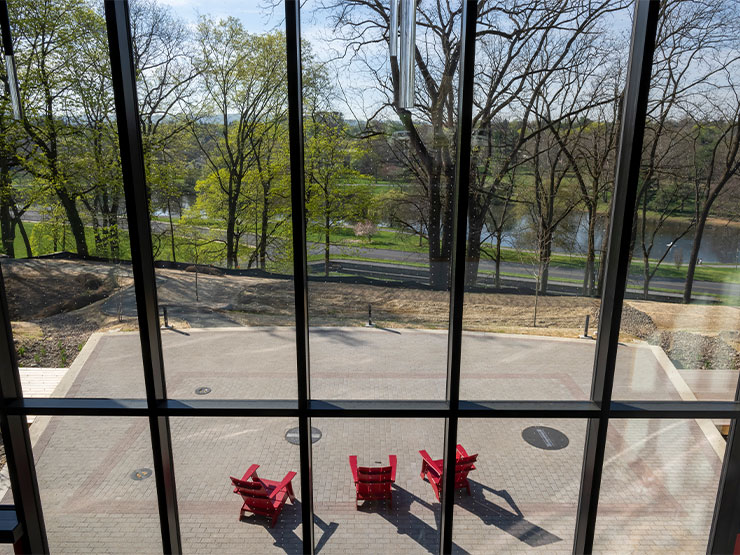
231	329
69	378
41	422
707	427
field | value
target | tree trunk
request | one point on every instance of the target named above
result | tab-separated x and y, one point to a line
498	259
172	232
7	225
8	231
230	224
472	260
438	264
327	245
695	245
536	298
263	235
645	276
588	275
24	235
544	262
75	221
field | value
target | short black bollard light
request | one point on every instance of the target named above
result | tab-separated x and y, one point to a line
164	315
369	317
585	328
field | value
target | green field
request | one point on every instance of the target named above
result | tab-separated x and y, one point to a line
383	239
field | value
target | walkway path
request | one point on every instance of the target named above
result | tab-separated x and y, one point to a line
660	477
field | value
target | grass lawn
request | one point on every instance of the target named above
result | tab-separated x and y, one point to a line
383	239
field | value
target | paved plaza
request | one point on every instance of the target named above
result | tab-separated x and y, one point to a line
658	489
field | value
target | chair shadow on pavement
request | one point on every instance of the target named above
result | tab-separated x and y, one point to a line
405	521
510	522
284	533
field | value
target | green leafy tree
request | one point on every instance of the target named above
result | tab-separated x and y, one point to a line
331	198
243	87
49	35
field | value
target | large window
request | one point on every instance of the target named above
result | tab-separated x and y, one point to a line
449	277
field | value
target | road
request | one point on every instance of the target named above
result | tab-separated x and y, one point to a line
398	265
559	276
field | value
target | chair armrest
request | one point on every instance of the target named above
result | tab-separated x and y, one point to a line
281	486
251	470
394	462
353	467
461	452
431	463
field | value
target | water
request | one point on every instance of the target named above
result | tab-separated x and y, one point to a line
185	203
720	242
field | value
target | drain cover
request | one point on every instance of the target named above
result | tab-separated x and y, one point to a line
546	438
291	436
141	473
203	391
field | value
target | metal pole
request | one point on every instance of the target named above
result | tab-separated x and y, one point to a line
459	240
408	51
12	85
725	531
137	208
17	442
300	269
393	30
615	277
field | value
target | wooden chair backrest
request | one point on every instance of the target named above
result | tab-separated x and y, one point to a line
374	480
463	465
254	493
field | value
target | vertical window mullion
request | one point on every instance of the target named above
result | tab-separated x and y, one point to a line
142	260
16	438
459	239
629	154
300	268
17	441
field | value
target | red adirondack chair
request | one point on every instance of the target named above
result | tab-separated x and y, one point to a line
373	482
263	497
432	470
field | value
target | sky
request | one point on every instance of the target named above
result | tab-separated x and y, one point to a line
258	16
255	15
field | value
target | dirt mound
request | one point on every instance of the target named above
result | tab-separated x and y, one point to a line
210	270
694	350
78	301
88	281
636	322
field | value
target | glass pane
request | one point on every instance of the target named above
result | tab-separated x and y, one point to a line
207	452
213	106
379	202
408	522
543	152
658	487
524	488
62	203
97	485
686	241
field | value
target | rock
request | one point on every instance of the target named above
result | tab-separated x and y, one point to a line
694	350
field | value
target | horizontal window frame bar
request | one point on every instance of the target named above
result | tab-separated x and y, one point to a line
351	408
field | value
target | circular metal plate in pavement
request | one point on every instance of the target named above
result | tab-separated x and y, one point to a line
291	436
546	438
141	473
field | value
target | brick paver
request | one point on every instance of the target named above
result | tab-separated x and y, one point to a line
660	477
